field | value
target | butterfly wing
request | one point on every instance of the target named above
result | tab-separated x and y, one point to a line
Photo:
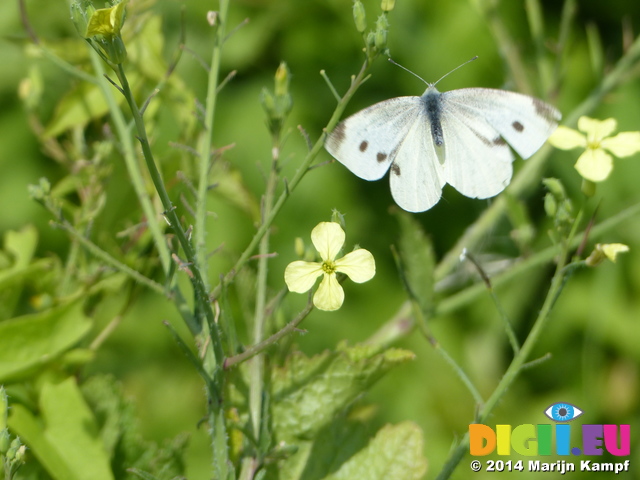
417	175
367	142
477	161
523	121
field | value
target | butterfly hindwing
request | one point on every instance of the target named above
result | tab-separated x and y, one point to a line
416	175
367	142
477	159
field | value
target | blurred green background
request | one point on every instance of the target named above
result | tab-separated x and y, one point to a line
594	333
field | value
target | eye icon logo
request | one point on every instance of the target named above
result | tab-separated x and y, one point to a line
562	412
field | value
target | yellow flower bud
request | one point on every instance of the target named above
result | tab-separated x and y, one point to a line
388	5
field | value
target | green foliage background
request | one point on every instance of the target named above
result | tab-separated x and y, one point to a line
594	333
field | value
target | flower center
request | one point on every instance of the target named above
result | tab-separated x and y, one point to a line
593	145
329	267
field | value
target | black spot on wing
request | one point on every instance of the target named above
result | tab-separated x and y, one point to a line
363	146
499	141
381	157
517	126
395	169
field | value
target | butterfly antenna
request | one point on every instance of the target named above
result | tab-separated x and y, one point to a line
407	70
418	76
459	66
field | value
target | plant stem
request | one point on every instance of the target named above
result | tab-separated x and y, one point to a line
514	368
256	367
131	162
255	349
206	142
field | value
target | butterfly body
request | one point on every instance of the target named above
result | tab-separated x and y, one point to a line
460	137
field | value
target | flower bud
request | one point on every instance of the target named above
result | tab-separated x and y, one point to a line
5	441
388	5
278	105
550	205
381	32
588	188
81	12
4	408
282	80
605	250
359	16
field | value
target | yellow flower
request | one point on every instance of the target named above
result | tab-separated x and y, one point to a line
328	238
605	250
595	164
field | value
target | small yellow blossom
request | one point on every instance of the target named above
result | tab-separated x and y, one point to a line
595	163
605	250
328	238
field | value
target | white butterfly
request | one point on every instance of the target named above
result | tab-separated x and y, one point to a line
458	137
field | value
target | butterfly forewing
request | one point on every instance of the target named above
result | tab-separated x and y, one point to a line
367	142
523	121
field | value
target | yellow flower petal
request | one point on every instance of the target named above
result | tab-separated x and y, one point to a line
594	165
358	265
328	238
596	130
300	276
106	21
611	250
329	295
623	145
567	138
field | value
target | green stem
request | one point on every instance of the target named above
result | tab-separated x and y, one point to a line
206	142
514	368
214	355
464	297
276	337
131	162
109	260
257	363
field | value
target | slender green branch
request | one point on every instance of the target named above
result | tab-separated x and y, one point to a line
204	307
257	364
109	260
131	162
266	343
514	368
464	297
206	142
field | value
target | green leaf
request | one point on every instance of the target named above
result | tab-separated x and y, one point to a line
143	475
394	453
418	260
66	438
17	265
82	105
121	437
29	342
307	393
